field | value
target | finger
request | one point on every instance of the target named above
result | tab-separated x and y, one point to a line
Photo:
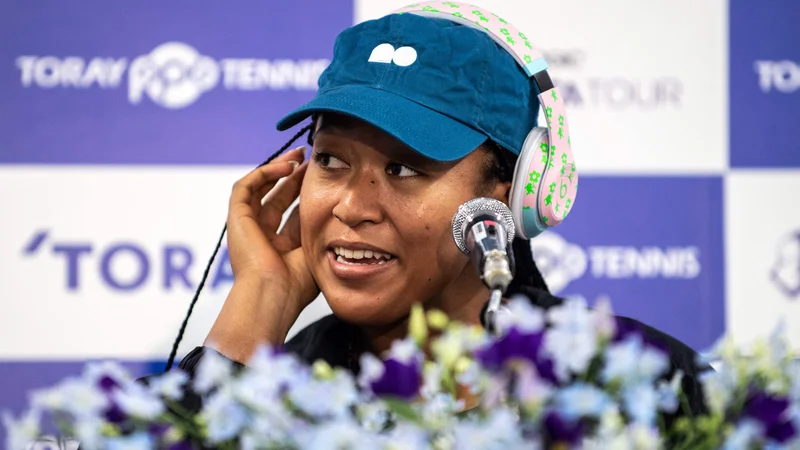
266	189
245	189
280	198
295	154
291	229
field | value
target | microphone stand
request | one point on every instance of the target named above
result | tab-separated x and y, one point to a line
490	314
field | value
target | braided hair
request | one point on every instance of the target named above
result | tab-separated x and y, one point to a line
500	167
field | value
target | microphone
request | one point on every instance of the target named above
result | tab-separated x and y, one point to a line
483	229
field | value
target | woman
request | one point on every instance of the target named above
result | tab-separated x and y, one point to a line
402	135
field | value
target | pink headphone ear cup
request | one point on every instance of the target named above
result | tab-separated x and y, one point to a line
544	184
526	185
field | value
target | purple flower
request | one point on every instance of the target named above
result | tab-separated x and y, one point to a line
398	379
771	411
184	444
114	414
107	384
562	430
516	345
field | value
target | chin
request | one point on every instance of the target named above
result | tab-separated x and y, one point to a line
365	309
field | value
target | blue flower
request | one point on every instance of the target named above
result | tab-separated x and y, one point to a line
137	441
225	417
572	341
581	400
746	432
641	403
631	361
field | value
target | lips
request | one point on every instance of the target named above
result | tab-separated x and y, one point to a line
357	260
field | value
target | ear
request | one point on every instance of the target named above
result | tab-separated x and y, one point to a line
502	191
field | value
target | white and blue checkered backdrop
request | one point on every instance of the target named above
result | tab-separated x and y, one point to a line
124	124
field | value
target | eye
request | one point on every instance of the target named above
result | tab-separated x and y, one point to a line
399	170
329	161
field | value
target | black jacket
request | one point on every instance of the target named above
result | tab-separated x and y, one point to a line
331	339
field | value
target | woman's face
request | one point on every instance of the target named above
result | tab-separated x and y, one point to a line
376	222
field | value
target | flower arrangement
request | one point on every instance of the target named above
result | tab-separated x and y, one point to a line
568	377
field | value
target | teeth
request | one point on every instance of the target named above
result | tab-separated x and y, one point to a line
341	259
360	254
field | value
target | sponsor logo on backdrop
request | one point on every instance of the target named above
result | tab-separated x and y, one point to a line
580	89
785	271
778	76
174	75
126	265
562	262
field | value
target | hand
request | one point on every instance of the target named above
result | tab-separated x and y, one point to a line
256	248
271	280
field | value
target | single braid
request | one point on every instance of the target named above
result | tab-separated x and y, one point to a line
178	339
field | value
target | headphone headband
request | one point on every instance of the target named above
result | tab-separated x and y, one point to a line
546	197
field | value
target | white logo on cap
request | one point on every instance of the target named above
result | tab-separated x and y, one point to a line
385	53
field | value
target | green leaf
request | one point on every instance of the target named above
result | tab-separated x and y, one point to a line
401	408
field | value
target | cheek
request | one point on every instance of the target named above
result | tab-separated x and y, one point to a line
428	233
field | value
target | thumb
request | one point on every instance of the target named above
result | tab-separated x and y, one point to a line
305	284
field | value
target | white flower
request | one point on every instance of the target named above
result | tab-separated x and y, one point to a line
137	441
522	315
716	390
745	434
438	411
431	380
604	320
497	432
641	403
404	351
373	416
472	377
581	400
325	398
169	385
336	435
21	433
531	390
406	437
371	370
572	341
89	432
224	416
95	371
630	361
570	350
72	395
137	401
212	371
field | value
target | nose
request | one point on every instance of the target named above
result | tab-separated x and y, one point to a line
359	201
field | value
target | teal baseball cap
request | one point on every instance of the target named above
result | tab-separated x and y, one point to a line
441	88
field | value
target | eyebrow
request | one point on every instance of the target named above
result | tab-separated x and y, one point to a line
400	153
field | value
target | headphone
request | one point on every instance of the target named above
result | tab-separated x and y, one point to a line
545	180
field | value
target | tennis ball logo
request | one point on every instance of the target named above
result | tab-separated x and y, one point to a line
174	75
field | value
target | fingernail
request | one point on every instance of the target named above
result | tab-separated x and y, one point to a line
294	165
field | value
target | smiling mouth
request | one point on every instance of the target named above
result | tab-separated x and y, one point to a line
361	257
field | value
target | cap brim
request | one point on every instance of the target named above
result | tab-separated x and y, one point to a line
426	131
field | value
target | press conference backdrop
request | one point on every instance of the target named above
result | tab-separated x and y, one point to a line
123	126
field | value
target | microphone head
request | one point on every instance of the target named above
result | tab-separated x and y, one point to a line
476	207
